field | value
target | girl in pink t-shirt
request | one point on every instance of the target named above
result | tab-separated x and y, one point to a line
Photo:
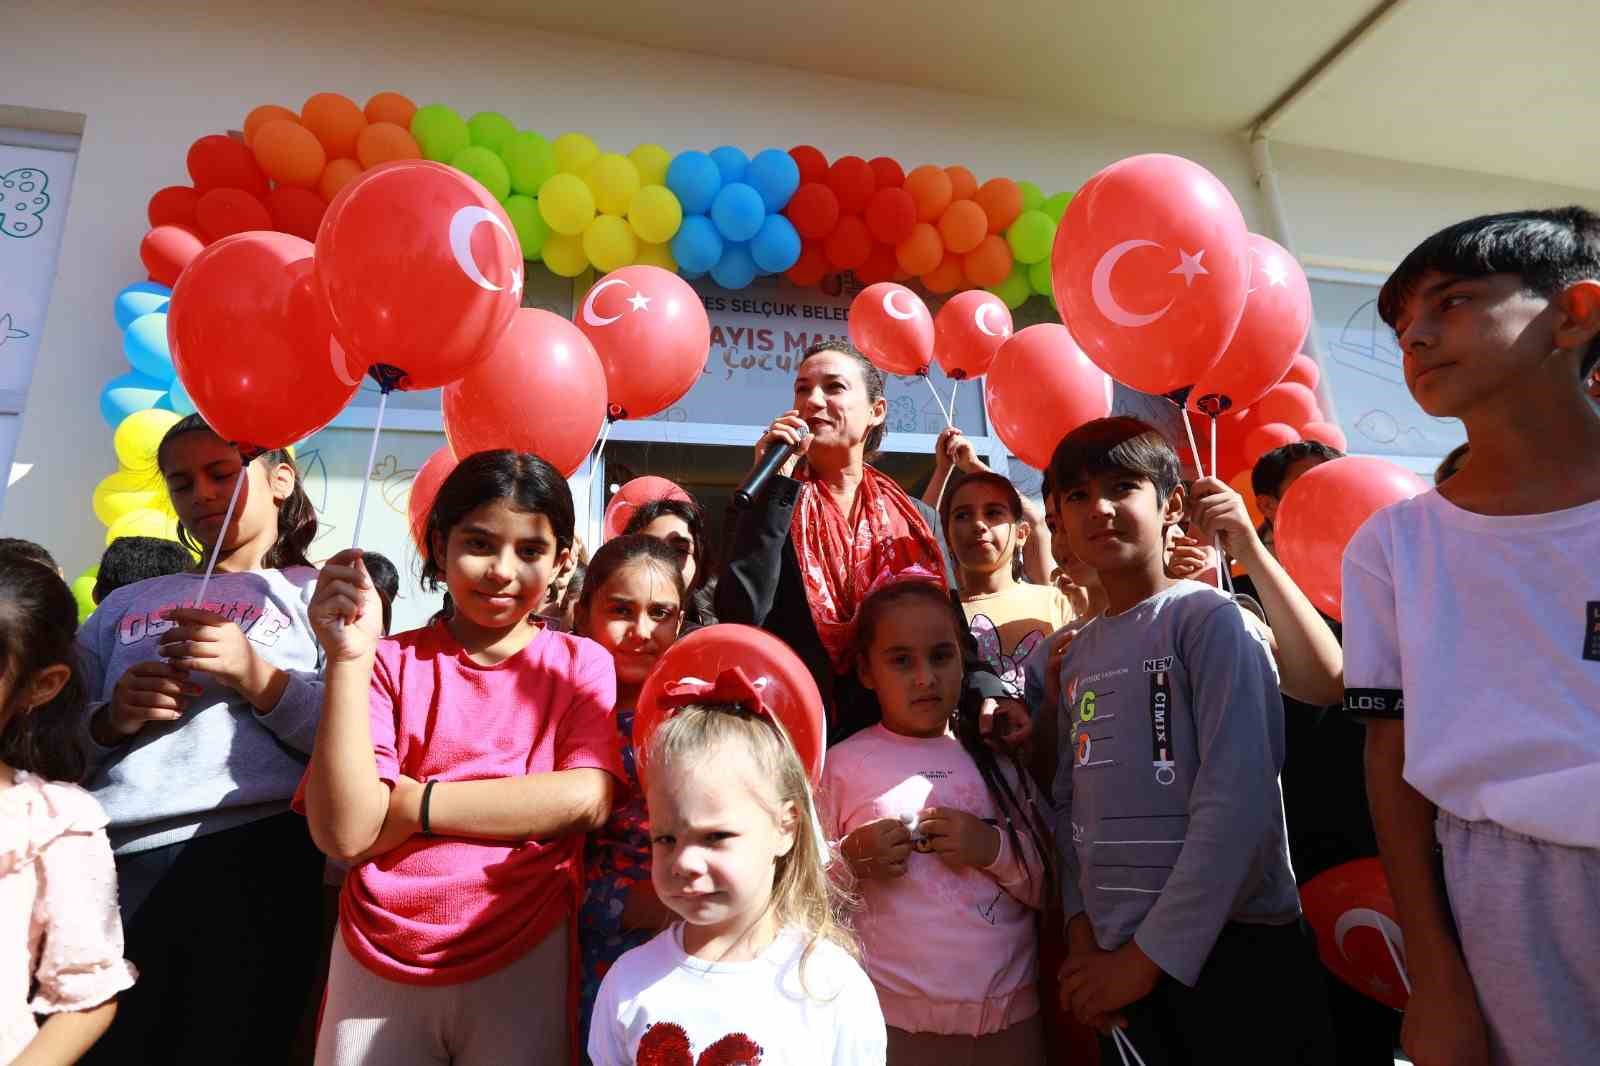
457	767
944	838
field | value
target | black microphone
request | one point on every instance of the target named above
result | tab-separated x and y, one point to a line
776	456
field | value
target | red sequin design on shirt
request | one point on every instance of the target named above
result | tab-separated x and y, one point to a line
667	1044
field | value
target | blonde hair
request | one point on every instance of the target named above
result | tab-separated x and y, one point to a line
803	893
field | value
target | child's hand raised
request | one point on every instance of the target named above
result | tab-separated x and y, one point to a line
1217	510
959	838
345	611
878	850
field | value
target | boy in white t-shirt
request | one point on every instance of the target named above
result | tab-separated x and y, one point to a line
1472	647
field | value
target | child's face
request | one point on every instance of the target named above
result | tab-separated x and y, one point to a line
717	838
914	667
675	532
200	469
1469	340
1117	520
983	532
1067	564
635	617
498	562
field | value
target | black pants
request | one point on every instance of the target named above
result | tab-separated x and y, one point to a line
224	930
1260	999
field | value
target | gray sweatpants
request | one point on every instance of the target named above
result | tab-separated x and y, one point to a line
513	1016
1528	913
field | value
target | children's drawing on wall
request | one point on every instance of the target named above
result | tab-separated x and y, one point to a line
23	201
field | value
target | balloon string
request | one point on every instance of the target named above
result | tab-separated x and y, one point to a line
1222	560
594	467
1121	1040
372	458
1394	957
1194	447
227	521
937	400
954	385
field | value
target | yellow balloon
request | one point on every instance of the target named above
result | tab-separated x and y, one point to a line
145	523
564	255
656	214
614	180
652	161
566	204
656	255
139	435
574	153
609	244
125	491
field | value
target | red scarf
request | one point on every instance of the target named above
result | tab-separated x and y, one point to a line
842	560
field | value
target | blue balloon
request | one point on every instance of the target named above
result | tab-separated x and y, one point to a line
694	179
691	275
774	175
697	246
127	393
735	269
178	397
140	298
776	246
738	212
731	162
145	345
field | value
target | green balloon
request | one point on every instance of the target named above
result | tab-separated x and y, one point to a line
490	129
1030	237
529	224
1032	198
1039	277
531	161
487	168
1014	290
83	592
1056	206
440	132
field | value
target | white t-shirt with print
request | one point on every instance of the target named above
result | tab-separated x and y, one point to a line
660	1006
1490	628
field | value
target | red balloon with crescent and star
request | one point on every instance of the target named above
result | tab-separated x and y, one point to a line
892	327
968	332
1352	913
652	335
1277	315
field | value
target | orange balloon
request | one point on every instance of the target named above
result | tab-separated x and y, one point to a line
261	116
963	186
989	263
922	252
1241	485
930	187
289	153
336	121
339	173
390	107
1001	201
946	277
963	226
384	142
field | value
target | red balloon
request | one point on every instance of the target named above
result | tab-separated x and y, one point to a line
811	267
787	688
421	269
252	343
880	265
1321	512
652	335
1150	268
1277	313
889	174
1352	913
634	495
812	163
173	206
1289	403
891	215
220	162
968	332
814	210
1263	439
424	489
1041	387
849	244
166	250
853	182
892	327
296	211
1304	370
542	390
224	212
1327	433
